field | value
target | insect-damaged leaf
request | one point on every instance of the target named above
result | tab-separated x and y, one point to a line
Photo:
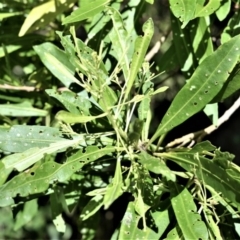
201	88
38	180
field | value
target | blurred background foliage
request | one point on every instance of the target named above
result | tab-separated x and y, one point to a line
21	71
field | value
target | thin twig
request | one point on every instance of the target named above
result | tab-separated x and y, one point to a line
153	51
206	131
18	88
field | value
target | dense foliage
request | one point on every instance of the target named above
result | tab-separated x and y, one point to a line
82	156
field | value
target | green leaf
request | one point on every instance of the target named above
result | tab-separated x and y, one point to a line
19	138
23	109
57	62
119	38
22	161
230	87
38	180
189	220
203	147
184	10
209	172
203	9
156	165
88	10
201	38
211	110
167	61
30	209
73	102
115	188
140	49
129	227
9	49
92	207
57	209
41	15
181	40
224	10
4	173
204	84
7	15
174	234
68	117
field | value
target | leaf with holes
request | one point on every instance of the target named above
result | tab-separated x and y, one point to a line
156	165
129	228
203	10
183	9
209	172
38	180
231	86
23	160
189	220
92	207
202	87
19	138
74	103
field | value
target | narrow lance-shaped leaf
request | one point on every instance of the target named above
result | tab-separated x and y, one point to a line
209	172
89	9
42	14
68	117
57	63
23	109
22	161
38	180
140	49
189	220
114	189
204	84
119	38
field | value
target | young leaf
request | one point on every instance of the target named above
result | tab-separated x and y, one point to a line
204	84
119	38
114	189
140	49
68	117
89	9
189	220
